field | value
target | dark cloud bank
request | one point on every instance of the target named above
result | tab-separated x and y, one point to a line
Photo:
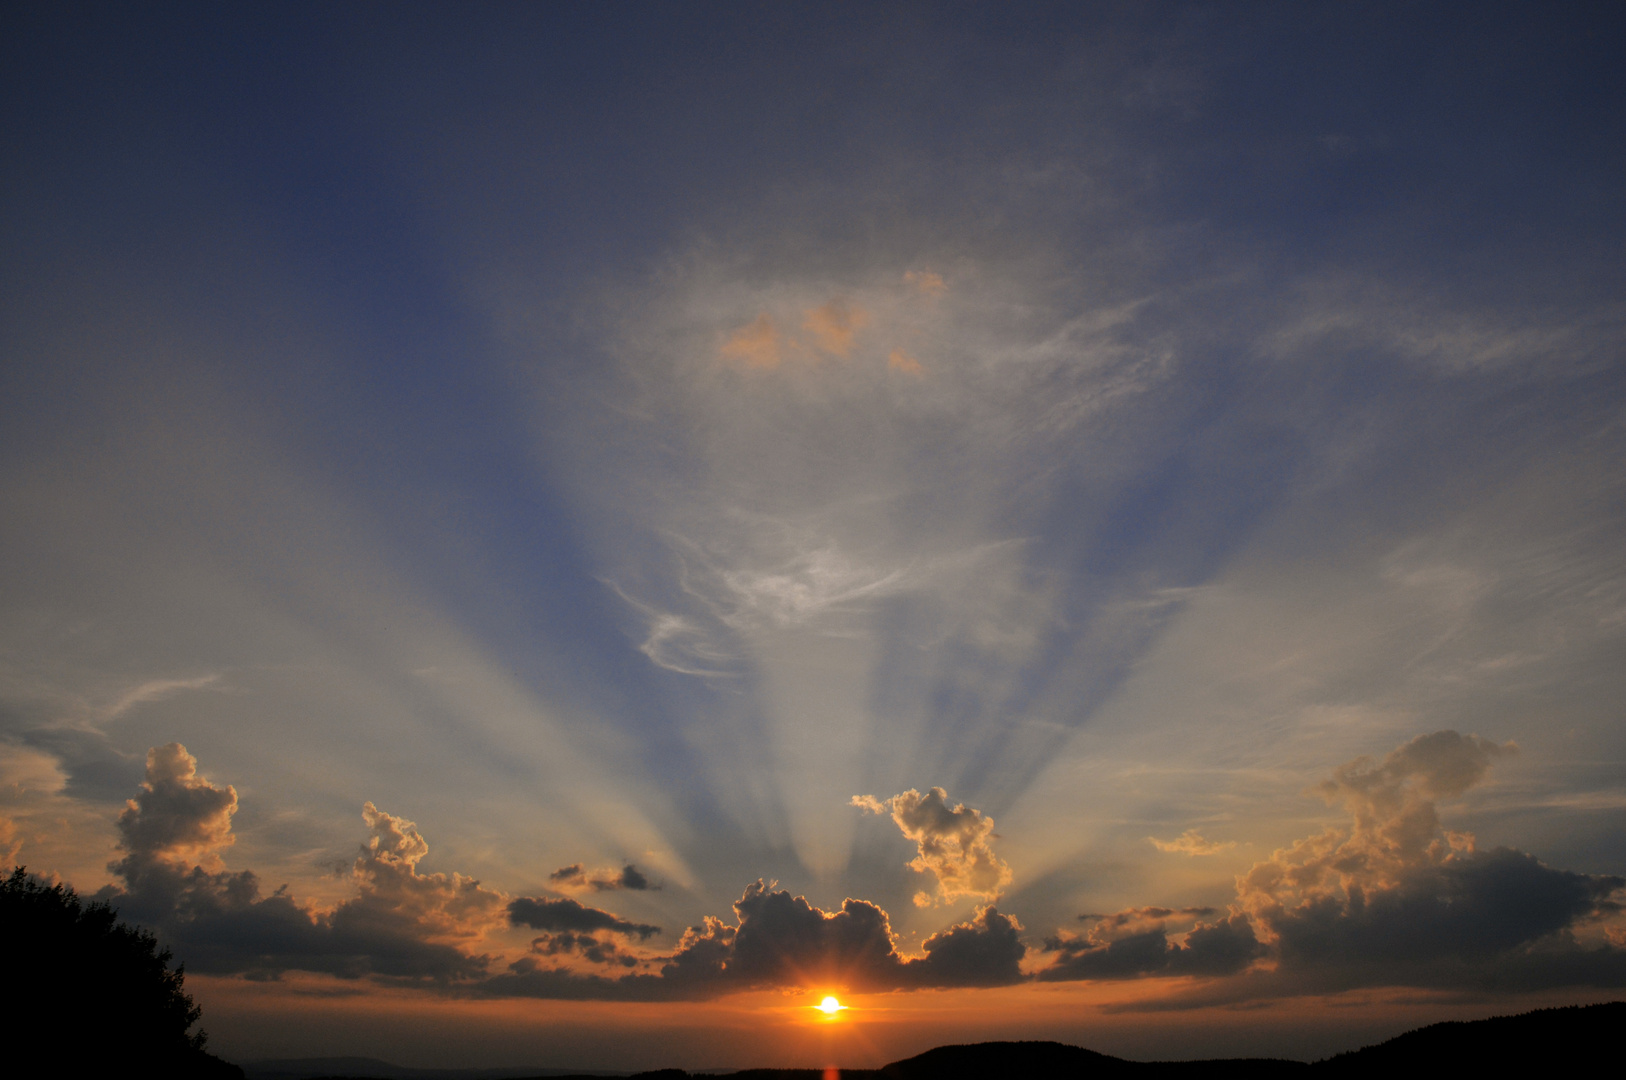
1391	898
1388	898
782	940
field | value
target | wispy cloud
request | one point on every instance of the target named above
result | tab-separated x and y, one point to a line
1191	842
154	690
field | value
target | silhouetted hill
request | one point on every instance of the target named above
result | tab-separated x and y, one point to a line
1548	1037
1545	1038
1051	1059
365	1068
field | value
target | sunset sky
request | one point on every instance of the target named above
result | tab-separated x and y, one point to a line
562	534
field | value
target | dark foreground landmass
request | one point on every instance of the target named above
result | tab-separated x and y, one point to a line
1547	1038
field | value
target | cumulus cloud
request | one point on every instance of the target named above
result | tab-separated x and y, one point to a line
412	927
401	923
983	951
1137	941
1395	888
780	940
1390	897
1191	842
177	815
542	913
955	845
593	949
575	877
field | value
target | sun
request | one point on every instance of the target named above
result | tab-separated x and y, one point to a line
830	1006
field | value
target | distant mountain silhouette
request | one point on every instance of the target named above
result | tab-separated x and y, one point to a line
1047	1059
1548	1037
366	1068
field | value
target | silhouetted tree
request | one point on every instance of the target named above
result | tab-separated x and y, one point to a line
90	994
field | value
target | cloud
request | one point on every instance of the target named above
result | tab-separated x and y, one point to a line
929	283
954	845
834	325
177	815
1191	842
1390	898
899	360
400	923
155	689
1136	942
756	345
541	913
808	584
984	951
595	950
411	927
780	940
784	940
10	843
1396	890
574	877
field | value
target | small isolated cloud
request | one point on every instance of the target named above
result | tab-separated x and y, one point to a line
928	282
575	877
834	325
955	845
899	360
1191	842
755	345
541	913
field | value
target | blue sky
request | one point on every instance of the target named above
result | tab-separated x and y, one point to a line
625	435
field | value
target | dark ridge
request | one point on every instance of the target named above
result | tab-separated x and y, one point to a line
1002	1059
1052	1059
1546	1037
397	1072
366	1068
774	1074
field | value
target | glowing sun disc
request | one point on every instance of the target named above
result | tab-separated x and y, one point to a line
830	1006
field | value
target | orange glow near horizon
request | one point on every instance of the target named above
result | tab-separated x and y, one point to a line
830	1007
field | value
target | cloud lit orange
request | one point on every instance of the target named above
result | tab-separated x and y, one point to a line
929	283
834	325
900	360
755	345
